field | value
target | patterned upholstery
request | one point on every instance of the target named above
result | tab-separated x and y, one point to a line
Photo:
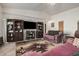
77	34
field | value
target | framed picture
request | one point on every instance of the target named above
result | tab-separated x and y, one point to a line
52	24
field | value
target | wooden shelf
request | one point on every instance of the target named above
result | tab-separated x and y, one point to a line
14	30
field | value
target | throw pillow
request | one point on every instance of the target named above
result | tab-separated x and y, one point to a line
76	42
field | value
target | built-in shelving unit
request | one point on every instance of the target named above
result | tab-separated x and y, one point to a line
14	30
37	33
39	30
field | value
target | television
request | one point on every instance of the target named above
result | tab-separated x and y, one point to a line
29	25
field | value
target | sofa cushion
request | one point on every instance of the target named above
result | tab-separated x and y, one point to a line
66	49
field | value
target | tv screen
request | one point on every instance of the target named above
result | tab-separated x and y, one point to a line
29	25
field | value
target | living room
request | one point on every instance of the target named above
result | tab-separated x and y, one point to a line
63	19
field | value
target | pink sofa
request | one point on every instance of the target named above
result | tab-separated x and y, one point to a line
66	49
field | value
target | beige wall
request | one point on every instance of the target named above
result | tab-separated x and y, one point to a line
70	18
1	33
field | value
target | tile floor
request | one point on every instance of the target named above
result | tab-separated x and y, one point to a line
8	49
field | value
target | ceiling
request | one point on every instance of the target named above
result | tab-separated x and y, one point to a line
49	8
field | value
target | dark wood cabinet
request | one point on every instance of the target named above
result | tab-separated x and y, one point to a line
39	30
1	41
14	30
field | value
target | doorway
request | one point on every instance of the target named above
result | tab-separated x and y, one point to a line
61	26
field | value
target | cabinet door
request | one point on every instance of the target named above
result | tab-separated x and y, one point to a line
16	36
20	36
18	30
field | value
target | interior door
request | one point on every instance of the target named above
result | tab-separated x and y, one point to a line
61	26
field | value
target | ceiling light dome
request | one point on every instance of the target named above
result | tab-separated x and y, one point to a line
52	4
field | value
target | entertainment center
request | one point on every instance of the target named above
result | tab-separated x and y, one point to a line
19	30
